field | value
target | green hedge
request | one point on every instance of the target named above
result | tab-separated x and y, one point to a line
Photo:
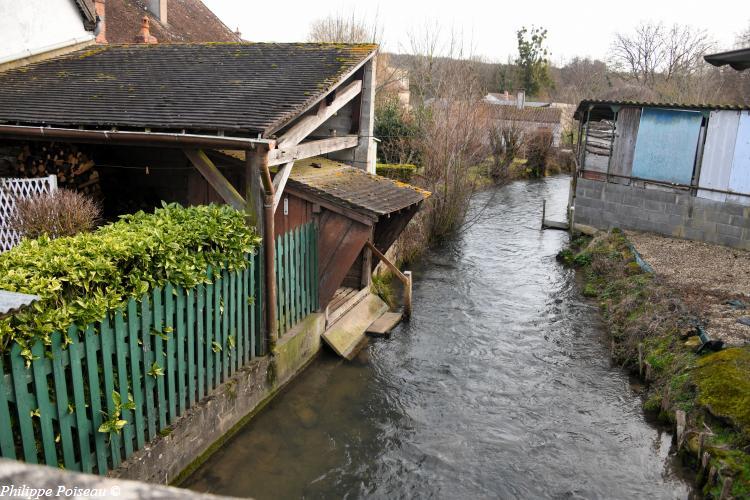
398	171
80	278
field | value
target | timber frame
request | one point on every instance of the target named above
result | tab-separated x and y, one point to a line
339	123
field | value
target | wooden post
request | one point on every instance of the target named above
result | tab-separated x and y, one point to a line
726	489
407	295
544	211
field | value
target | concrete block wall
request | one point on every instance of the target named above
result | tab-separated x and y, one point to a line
664	211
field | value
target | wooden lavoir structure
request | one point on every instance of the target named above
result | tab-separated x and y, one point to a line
239	123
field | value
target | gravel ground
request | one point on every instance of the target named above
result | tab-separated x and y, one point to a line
714	272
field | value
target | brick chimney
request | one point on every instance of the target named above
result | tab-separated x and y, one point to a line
101	27
520	98
158	9
144	36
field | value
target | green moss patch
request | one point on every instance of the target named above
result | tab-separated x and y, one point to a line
723	382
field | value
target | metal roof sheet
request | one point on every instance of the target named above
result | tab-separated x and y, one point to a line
353	188
11	302
596	103
241	88
738	59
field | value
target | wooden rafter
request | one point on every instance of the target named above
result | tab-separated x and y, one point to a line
214	177
309	123
279	181
310	149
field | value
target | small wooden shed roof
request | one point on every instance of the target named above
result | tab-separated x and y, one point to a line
352	188
240	88
603	108
738	59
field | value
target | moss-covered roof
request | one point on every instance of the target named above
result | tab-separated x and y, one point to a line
240	88
353	188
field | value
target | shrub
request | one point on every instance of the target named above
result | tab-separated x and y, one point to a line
62	213
397	171
80	278
538	152
506	142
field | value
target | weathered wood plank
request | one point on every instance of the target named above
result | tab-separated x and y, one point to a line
311	148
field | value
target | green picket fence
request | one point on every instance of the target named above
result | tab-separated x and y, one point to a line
167	350
296	275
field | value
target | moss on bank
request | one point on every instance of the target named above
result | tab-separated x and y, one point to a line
653	330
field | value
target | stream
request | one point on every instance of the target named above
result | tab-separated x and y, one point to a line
499	387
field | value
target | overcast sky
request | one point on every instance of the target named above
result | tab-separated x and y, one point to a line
576	27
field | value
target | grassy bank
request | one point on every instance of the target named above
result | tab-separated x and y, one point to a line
653	328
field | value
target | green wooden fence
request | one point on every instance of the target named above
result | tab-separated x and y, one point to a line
160	355
166	352
296	275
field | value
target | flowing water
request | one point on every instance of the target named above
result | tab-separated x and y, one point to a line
499	387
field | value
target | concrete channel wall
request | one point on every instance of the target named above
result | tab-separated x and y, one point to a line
205	427
606	205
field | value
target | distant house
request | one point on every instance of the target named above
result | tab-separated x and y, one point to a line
393	81
170	21
506	109
37	29
676	169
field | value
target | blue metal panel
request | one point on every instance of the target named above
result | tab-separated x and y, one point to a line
739	180
666	145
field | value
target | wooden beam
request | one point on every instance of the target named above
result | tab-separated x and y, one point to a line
310	149
309	123
404	277
214	177
279	182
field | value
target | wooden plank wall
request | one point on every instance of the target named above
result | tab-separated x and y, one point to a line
340	242
623	148
300	213
599	136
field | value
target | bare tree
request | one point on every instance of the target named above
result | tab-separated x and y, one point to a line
653	53
582	78
344	29
453	130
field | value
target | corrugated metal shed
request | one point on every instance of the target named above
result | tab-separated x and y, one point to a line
666	145
605	106
739	180
718	153
11	302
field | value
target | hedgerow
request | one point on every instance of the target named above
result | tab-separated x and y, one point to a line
82	277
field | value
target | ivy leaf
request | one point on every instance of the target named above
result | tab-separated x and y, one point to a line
215	346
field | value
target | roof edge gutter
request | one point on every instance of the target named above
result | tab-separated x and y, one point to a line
124	137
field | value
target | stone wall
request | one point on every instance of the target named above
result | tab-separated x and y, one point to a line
664	211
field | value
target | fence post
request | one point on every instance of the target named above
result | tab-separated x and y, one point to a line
407	295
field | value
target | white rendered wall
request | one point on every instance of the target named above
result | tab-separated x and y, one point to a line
29	27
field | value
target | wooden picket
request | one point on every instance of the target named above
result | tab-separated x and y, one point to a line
162	353
296	275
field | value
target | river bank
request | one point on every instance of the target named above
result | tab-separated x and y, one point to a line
654	319
499	387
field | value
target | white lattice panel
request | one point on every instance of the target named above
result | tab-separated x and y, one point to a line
13	189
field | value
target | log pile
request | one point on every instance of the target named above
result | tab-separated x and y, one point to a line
599	137
74	169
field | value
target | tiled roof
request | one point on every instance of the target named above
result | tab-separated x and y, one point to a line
353	188
584	106
11	302
526	114
188	21
233	87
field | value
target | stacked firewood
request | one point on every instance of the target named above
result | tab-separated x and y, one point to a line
599	137
73	168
